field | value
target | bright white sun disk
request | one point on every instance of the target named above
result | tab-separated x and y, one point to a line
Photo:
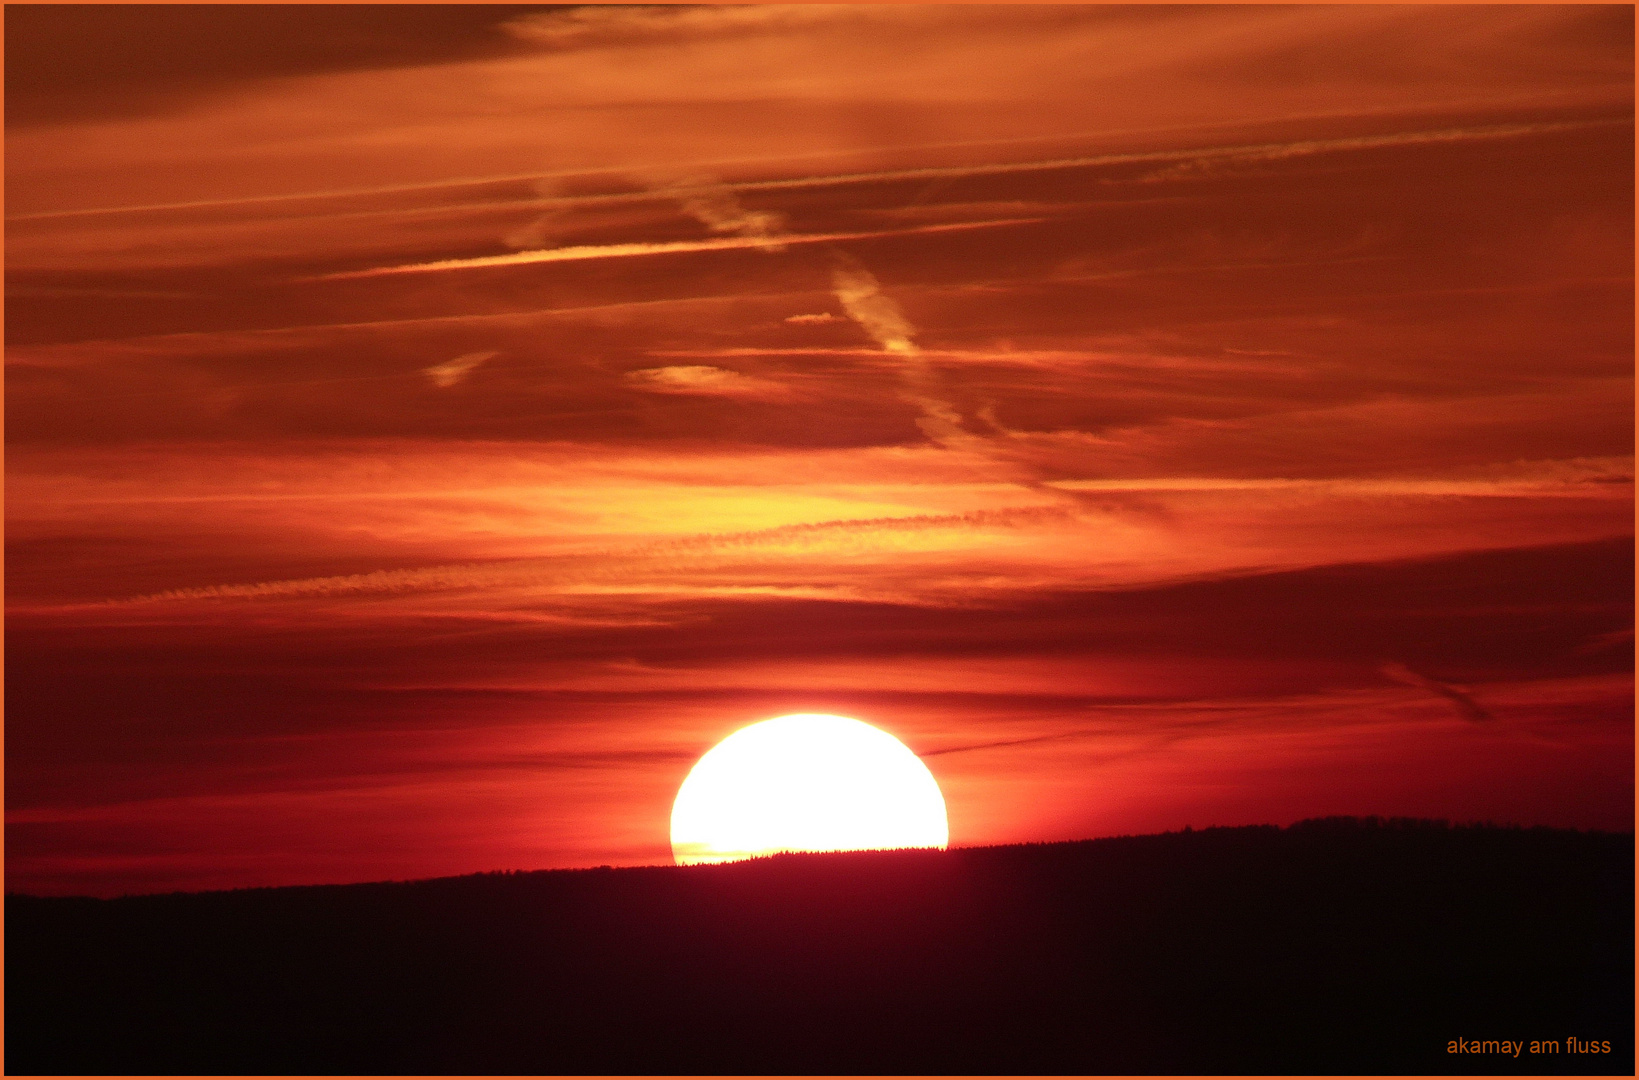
807	782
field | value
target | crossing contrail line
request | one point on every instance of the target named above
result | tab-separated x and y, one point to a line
1495	131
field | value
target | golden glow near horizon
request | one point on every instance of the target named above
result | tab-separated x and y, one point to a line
806	782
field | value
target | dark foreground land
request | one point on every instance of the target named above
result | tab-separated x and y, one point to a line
1339	946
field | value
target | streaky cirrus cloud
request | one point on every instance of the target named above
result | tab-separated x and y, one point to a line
451	372
707	380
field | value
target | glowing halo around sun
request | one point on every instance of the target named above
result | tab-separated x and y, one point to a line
806	782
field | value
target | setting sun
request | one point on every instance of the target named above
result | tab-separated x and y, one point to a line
807	782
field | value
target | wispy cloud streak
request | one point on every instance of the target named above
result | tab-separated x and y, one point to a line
452	372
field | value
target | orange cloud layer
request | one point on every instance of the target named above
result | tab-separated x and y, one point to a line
1154	415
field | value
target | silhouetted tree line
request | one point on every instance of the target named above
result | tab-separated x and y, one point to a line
1334	946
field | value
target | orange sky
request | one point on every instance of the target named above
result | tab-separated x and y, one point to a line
430	430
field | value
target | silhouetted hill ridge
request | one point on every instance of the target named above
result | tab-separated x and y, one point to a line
1333	945
1333	822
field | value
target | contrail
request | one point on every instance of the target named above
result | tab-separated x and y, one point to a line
240	338
1300	148
1494	131
862	298
1466	705
617	251
1011	742
705	198
553	571
715	205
